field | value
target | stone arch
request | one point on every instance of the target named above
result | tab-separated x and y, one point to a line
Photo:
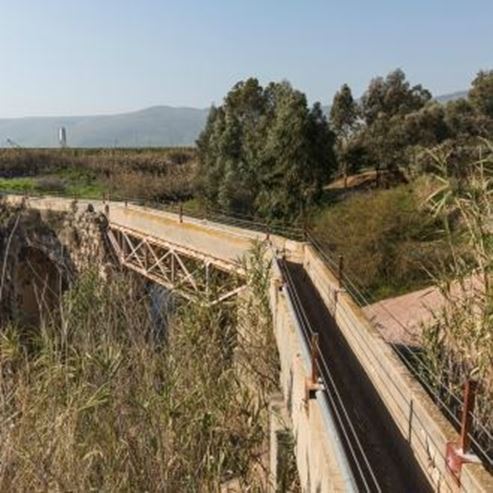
38	284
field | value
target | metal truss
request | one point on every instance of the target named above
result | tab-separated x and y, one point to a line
190	273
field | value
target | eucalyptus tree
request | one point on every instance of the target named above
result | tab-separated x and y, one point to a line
344	121
265	152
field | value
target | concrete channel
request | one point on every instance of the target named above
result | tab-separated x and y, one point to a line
384	460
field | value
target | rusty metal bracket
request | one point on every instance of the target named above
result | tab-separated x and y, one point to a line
458	453
313	383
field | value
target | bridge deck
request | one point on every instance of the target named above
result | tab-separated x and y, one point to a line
219	241
203	238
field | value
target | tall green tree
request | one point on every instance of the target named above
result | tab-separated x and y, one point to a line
481	93
391	96
343	120
228	149
384	107
297	157
265	152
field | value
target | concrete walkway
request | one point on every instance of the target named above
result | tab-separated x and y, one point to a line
225	242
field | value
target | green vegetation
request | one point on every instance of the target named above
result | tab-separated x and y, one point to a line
394	122
149	174
97	400
21	185
396	248
458	345
71	183
264	152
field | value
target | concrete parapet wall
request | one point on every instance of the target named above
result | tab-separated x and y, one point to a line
224	241
417	417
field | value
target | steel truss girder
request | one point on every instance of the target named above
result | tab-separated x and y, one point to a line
190	273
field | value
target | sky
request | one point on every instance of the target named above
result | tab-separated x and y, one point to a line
78	57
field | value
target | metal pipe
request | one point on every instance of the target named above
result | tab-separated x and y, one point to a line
335	439
315	355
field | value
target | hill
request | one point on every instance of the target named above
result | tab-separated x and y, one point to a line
151	127
445	98
157	126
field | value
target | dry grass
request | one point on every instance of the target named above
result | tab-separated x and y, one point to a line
159	174
97	400
458	344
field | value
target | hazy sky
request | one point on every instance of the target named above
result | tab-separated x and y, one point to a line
103	56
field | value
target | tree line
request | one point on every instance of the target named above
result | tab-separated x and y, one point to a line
265	152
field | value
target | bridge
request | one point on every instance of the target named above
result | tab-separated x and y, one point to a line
360	418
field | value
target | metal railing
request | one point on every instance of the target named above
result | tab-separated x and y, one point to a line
452	405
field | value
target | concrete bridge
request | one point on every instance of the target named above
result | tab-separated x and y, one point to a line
360	419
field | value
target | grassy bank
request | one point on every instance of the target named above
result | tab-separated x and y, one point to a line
98	399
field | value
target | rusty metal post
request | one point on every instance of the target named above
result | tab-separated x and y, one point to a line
314	356
180	212
458	453
469	400
340	271
312	383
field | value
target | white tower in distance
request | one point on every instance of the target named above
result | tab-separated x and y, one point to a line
62	137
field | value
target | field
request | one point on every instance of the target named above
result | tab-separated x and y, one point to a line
155	174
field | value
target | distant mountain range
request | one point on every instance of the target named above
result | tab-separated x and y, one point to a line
151	127
155	126
445	98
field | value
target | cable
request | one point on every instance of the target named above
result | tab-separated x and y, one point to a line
358	294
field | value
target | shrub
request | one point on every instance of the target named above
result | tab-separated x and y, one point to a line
387	240
50	184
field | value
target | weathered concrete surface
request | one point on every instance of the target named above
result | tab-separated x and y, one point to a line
213	239
401	319
417	417
317	462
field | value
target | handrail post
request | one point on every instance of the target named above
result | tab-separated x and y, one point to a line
312	383
468	409
340	271
314	355
458	453
181	212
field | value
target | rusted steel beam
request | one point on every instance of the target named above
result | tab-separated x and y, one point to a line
166	264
